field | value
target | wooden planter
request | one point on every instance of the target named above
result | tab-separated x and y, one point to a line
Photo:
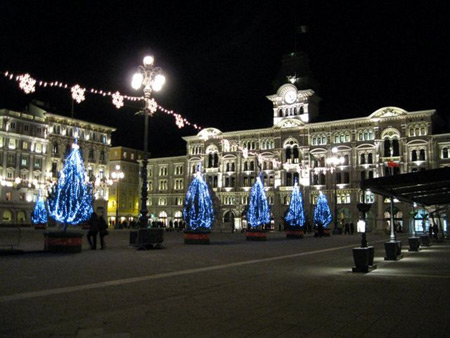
65	242
294	234
196	237
256	235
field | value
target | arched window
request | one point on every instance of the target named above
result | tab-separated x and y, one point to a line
387	148
414	155
370	158
395	148
362	159
55	150
445	153
422	155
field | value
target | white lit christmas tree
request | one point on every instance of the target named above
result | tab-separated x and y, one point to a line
295	216
70	201
258	211
322	213
198	208
39	215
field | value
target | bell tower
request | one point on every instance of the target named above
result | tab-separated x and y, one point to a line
295	87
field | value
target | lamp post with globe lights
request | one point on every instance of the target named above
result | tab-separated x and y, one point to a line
116	176
334	161
150	79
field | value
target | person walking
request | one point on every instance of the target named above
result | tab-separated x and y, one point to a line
352	228
347	229
93	231
103	231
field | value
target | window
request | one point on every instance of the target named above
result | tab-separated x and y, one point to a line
24	161
12	143
55	149
163	185
342	137
368	197
343	198
366	135
163	171
422	155
444	153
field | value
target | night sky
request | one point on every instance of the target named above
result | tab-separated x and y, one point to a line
220	59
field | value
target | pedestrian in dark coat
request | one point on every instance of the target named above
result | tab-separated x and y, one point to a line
93	231
103	231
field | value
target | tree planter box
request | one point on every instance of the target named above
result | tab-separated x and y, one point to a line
145	239
196	237
425	240
60	241
363	258
393	250
414	243
256	235
294	234
325	232
41	226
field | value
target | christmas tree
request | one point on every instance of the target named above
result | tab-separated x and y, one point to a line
322	213
39	215
258	211
70	201
198	208
295	215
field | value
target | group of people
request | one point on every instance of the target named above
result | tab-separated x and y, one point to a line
349	228
97	226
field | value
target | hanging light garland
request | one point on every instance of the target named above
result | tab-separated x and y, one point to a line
28	85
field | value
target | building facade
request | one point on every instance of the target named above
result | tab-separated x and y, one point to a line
123	201
33	146
330	157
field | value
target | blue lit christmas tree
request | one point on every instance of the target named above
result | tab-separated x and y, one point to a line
258	211
295	216
70	201
39	215
198	208
322	213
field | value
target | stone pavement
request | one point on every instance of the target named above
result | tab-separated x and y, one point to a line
230	288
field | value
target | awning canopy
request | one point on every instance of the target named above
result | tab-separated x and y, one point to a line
428	187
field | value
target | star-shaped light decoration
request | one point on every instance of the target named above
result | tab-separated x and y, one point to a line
151	106
78	93
117	100
26	83
179	121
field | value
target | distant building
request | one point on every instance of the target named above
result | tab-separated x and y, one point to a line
125	160
297	146
33	145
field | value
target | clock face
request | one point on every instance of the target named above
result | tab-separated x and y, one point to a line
290	97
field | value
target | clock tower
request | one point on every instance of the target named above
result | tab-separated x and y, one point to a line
295	98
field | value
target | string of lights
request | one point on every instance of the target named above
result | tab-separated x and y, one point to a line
28	84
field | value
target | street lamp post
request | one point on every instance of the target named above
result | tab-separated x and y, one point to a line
334	161
150	79
116	176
